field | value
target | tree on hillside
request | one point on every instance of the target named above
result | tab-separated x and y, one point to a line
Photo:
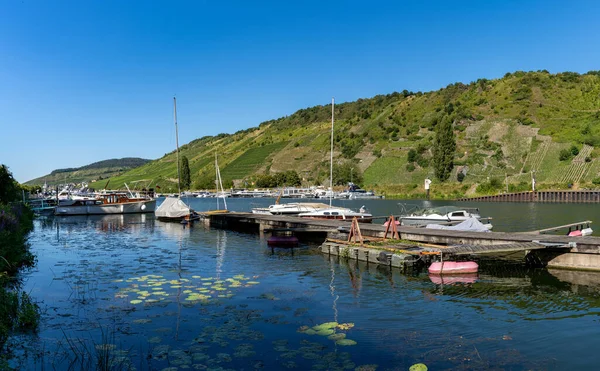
443	150
186	178
346	172
9	188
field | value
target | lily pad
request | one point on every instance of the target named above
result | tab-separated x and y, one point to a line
418	367
325	332
336	337
345	342
325	326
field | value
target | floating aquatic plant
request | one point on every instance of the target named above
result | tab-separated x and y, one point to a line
142	320
345	342
302	329
325	332
325	326
336	337
371	367
345	326
418	367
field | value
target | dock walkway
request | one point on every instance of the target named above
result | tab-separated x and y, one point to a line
557	251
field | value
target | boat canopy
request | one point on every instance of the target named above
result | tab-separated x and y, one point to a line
468	225
172	207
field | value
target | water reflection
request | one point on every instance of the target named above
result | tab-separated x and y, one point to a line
196	297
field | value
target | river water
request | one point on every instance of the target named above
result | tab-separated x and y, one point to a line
136	293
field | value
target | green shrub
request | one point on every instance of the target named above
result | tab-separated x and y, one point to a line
574	150
490	186
410	167
564	154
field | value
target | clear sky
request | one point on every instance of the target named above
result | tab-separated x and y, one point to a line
84	81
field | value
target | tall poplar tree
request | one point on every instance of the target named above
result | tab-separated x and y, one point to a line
443	150
186	178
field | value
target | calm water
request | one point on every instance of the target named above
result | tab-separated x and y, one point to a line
148	295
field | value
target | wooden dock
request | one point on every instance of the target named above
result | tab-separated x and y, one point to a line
551	250
586	196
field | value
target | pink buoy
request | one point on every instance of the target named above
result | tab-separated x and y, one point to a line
453	267
575	233
397	222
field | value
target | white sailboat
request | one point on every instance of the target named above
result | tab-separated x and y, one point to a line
219	191
334	212
173	208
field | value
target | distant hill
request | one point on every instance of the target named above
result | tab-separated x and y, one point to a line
507	130
93	172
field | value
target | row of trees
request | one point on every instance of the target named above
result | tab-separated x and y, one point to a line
287	178
342	174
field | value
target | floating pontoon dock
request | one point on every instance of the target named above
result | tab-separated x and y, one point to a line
549	250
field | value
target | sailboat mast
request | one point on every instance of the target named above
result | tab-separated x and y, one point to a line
217	180
331	154
177	144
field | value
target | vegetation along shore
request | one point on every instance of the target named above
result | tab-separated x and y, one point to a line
17	311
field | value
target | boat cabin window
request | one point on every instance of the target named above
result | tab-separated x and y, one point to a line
335	213
459	213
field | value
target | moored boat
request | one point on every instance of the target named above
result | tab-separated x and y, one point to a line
291	208
450	267
287	241
437	215
109	203
174	209
339	213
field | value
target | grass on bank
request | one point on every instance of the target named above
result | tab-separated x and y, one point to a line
18	312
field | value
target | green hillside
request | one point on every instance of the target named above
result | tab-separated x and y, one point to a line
89	173
506	129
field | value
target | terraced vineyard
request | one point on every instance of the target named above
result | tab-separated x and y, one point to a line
250	161
578	166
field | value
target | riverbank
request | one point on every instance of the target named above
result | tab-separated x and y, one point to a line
455	191
17	310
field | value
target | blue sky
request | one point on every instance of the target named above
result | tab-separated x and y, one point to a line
84	81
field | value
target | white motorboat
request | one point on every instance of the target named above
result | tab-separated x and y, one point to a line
439	215
292	208
354	192
339	213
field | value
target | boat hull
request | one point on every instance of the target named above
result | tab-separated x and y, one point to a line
135	207
339	217
424	221
453	267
